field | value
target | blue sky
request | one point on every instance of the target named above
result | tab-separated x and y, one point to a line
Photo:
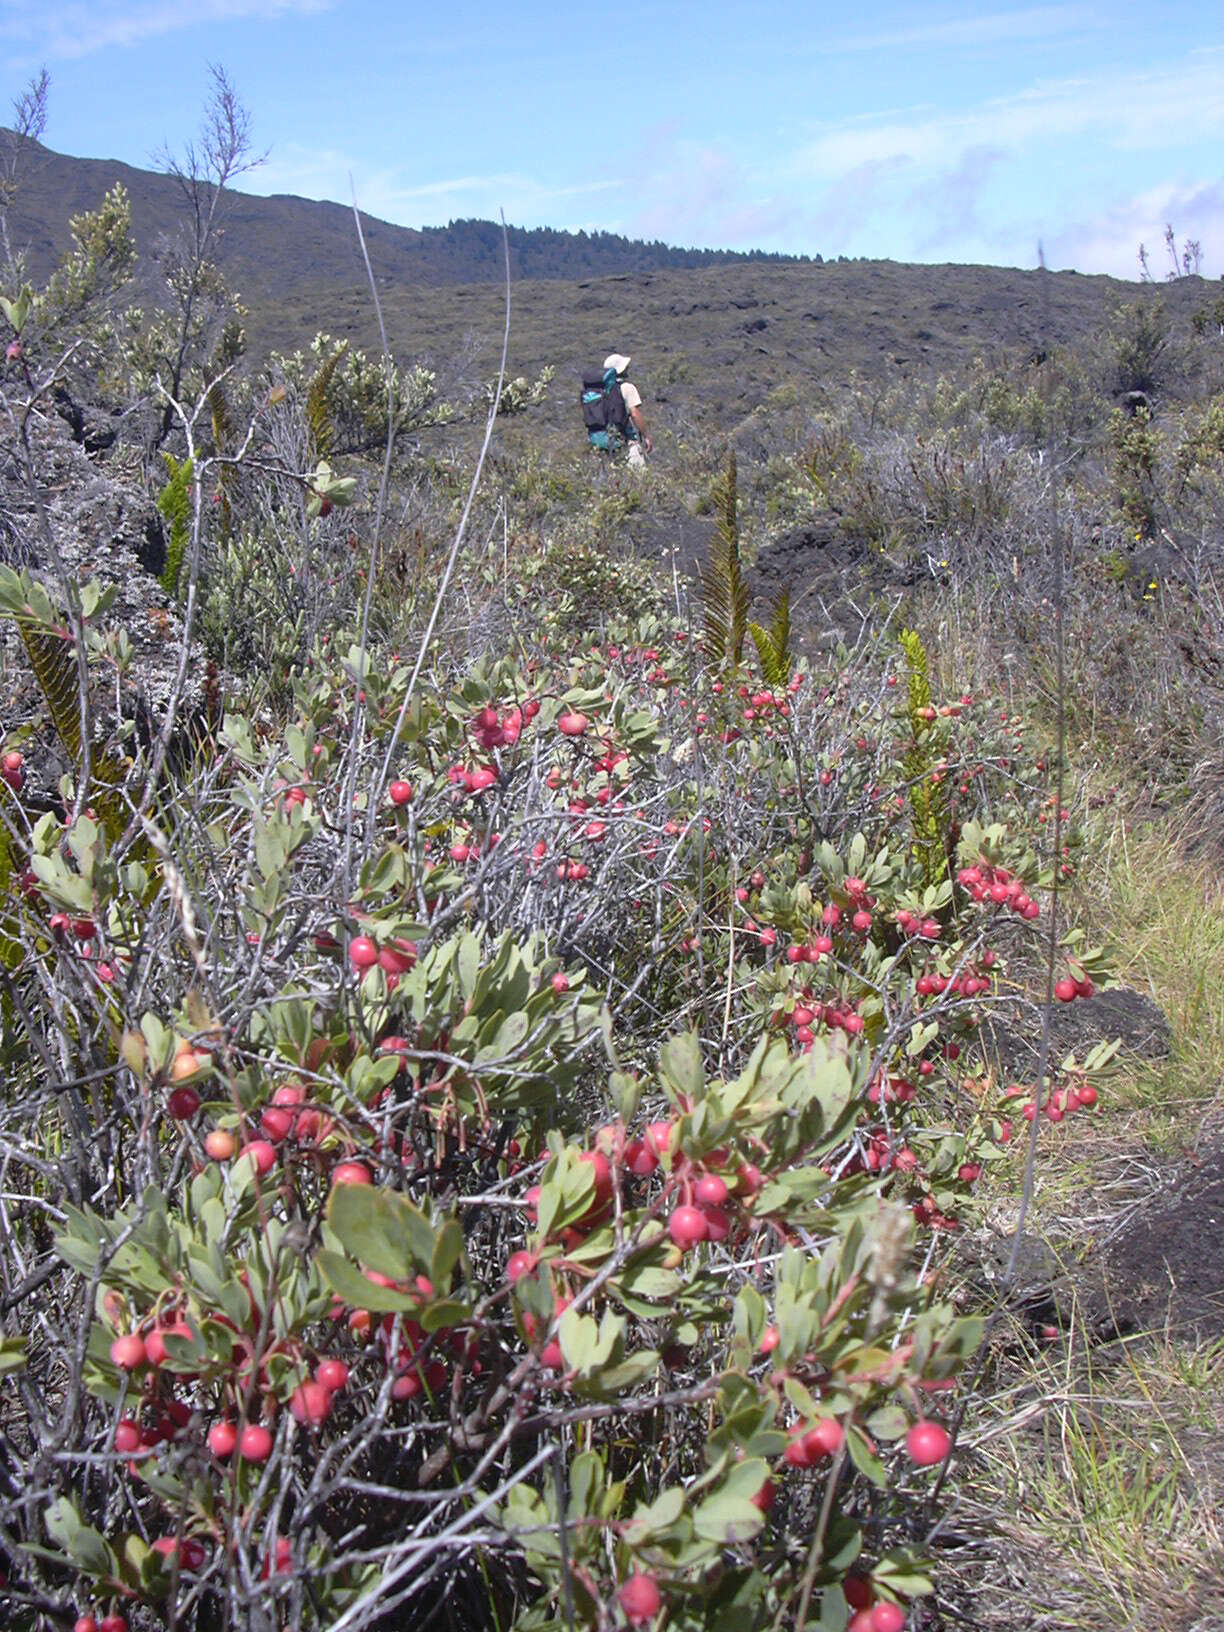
941	132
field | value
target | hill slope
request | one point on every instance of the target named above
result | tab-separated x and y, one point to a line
711	336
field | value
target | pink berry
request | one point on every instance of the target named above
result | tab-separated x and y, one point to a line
710	1190
255	1444
222	1440
332	1374
351	1173
927	1443
310	1404
129	1353
687	1226
640	1598
887	1617
519	1264
127	1436
825	1439
262	1154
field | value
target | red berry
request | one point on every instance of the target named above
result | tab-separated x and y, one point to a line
261	1153
825	1439
796	1451
400	793
658	1137
710	1190
927	1443
277	1122
129	1353
183	1104
859	1591
519	1264
572	724
113	1623
127	1436
363	954
1066	990
887	1617
603	1175
85	1623
220	1144
687	1226
310	1403
351	1173
639	1158
332	1374
255	1444
222	1439
640	1599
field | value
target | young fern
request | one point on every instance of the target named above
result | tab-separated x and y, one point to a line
320	426
773	644
725	593
55	668
10	947
927	799
174	502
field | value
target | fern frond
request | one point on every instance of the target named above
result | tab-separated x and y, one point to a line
320	427
725	594
53	663
10	947
55	670
919	671
927	798
174	502
773	644
766	651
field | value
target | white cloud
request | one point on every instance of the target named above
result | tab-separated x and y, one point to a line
1152	109
42	33
987	28
1109	240
386	195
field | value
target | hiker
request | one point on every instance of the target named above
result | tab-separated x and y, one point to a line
612	411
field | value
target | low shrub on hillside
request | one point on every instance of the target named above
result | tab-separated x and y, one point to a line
484	1135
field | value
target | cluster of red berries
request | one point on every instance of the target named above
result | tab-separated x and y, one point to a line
996	884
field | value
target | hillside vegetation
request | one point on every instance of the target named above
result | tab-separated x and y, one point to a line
574	1040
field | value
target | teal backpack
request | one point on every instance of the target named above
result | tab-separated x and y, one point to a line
603	409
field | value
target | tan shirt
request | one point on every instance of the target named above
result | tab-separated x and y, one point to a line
631	394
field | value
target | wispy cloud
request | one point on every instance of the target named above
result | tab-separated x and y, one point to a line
387	195
987	28
1109	240
35	32
1156	108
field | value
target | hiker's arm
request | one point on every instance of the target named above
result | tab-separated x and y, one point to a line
635	414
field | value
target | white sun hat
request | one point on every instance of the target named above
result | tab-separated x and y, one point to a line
616	361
